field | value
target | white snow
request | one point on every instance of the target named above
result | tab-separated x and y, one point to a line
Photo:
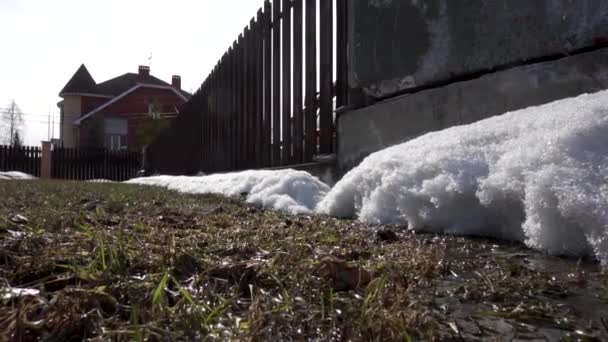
538	175
13	292
15	175
295	192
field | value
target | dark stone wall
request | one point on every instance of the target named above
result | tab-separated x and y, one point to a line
396	120
398	46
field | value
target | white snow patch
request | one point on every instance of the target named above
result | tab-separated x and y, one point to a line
15	175
537	175
295	192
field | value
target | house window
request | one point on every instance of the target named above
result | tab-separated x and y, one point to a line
116	142
115	135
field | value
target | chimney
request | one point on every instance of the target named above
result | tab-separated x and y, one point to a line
144	70
176	82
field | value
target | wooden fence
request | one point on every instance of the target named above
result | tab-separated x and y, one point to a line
21	158
270	100
88	164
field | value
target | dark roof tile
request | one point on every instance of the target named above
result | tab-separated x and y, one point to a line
81	82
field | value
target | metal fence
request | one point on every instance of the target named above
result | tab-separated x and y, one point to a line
270	99
89	164
21	158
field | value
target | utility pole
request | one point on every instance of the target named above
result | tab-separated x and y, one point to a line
12	120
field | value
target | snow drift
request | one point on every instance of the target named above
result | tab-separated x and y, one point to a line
538	175
296	192
15	175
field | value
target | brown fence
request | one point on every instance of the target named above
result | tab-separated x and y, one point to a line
270	99
88	164
21	158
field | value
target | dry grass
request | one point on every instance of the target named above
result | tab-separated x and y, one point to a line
121	262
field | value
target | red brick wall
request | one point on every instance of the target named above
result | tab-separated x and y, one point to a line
137	102
90	103
134	107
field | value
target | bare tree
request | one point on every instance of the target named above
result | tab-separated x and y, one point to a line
12	117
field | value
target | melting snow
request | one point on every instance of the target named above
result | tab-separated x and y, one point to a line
15	175
538	175
296	192
13	292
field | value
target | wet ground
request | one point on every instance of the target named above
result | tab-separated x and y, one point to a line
117	262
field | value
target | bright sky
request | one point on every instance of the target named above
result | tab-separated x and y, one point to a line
44	42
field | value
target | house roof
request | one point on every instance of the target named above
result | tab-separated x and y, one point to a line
81	82
123	83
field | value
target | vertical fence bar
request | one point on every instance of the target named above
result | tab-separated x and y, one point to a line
226	77
310	99
212	106
226	114
249	96
214	125
297	82
267	83
326	70
276	82
241	102
341	51
233	107
221	114
286	47
205	125
258	88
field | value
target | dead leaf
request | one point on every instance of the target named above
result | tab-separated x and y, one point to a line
343	276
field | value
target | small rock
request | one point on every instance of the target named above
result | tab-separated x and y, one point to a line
242	274
90	205
387	235
185	266
497	326
468	327
218	210
19	219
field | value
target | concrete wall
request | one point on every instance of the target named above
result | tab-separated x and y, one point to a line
399	119
397	46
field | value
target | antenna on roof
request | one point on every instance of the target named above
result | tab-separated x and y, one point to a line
150	61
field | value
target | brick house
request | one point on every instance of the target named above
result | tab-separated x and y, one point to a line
126	112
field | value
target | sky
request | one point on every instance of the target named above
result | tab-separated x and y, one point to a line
44	43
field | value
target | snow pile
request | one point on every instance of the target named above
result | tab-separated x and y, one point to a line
296	192
15	175
538	175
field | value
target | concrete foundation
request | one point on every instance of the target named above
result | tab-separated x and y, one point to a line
396	46
402	118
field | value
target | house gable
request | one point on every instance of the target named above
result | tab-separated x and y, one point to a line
136	100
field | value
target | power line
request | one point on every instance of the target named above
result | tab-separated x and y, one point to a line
45	115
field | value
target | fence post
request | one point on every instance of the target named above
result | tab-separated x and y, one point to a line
45	170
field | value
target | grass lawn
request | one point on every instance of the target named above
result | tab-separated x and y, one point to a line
125	262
